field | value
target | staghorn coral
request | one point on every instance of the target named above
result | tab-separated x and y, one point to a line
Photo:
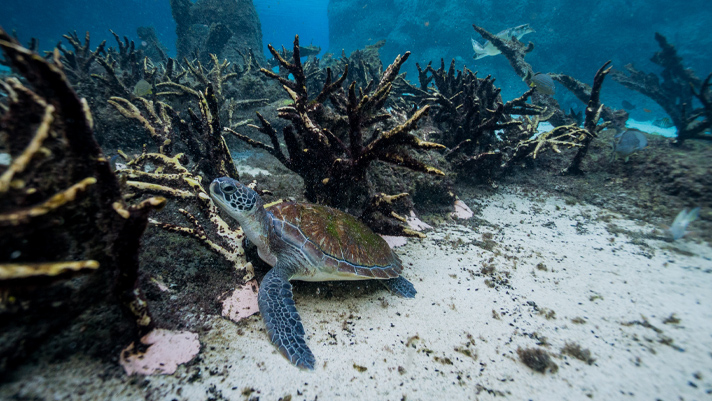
61	211
327	146
162	173
468	110
675	93
515	52
568	135
582	92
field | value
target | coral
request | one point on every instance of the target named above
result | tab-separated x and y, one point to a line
163	174
328	146
582	91
568	135
675	93
151	46
77	64
61	211
468	110
515	51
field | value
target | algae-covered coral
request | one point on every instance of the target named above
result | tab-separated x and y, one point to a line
62	210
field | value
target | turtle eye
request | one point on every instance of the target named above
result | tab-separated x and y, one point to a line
229	189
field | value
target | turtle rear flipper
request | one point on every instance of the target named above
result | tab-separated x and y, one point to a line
400	286
284	325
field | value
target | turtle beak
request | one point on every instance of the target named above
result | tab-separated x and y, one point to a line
215	187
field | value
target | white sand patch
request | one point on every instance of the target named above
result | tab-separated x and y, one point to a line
394	241
244	169
650	128
541	275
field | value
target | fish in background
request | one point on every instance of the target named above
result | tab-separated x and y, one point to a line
664	122
678	229
627	105
542	82
142	88
488	49
628	142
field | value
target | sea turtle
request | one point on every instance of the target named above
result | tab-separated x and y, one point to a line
303	241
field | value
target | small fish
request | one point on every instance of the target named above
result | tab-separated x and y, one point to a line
628	142
488	49
647	110
683	219
664	122
142	88
542	82
628	105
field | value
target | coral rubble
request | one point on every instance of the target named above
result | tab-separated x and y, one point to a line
62	210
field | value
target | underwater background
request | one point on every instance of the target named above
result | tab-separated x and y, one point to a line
531	179
571	37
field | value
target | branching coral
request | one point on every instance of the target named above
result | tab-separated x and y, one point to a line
515	52
468	110
328	147
77	63
161	173
675	93
569	135
61	210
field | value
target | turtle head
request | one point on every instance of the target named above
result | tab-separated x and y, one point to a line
244	205
234	197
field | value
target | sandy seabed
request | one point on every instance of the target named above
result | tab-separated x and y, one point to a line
529	272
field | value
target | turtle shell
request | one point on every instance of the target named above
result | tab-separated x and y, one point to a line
338	243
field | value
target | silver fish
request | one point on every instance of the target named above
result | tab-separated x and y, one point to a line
543	83
628	142
488	49
678	229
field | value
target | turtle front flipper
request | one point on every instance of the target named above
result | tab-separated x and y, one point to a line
284	325
400	286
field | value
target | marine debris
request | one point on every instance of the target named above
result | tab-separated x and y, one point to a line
675	90
332	148
62	211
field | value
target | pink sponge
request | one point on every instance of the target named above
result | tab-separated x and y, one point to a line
242	302
167	349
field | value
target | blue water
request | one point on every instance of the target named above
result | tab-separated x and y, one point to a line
620	30
49	20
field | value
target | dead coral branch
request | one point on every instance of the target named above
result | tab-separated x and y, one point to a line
675	92
332	148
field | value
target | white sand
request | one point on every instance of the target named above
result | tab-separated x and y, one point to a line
606	280
650	128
